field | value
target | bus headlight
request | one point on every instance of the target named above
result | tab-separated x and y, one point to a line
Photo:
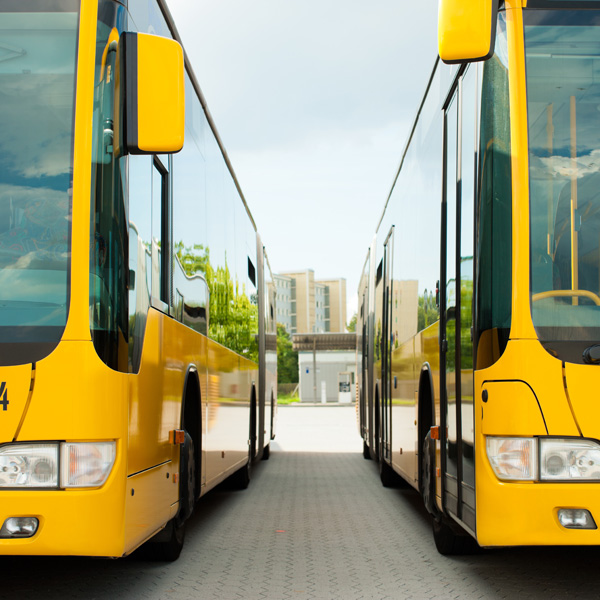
29	465
513	458
54	465
564	459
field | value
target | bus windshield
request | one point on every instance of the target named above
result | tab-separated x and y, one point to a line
562	51
38	47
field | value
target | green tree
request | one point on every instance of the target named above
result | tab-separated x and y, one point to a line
351	327
233	315
287	357
428	313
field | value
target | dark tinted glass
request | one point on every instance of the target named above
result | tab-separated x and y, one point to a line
494	232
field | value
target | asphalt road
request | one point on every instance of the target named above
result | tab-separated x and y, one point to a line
315	523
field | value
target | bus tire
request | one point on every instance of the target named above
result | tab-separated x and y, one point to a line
450	542
240	480
187	489
366	451
168	543
266	452
388	476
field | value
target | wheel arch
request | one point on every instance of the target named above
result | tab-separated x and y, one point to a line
191	414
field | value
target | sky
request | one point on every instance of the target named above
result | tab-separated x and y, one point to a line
313	101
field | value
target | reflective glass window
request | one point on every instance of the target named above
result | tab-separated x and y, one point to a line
563	101
38	49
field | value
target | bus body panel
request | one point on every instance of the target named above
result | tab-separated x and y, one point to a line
76	397
87	522
157	390
582	381
78	322
404	411
151	501
15	385
512	513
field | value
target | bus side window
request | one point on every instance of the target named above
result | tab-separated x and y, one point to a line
140	258
160	234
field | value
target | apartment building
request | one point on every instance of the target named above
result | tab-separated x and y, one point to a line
308	305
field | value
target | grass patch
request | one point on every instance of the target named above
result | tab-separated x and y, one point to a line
284	399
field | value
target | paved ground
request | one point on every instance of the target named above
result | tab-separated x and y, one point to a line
315	523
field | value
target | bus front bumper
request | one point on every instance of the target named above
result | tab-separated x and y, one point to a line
527	514
86	522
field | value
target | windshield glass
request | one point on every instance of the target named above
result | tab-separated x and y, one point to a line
563	101
38	45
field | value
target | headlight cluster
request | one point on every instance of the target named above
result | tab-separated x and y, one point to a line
544	459
56	465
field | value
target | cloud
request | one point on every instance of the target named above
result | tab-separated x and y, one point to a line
563	166
275	72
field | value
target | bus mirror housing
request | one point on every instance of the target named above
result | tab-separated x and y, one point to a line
466	30
149	87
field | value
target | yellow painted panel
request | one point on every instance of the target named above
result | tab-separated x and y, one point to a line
227	419
161	96
14	393
525	513
583	385
152	500
404	411
156	392
526	360
511	409
465	29
521	323
78	323
76	397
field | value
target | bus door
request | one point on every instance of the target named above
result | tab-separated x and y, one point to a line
363	367
386	348
457	463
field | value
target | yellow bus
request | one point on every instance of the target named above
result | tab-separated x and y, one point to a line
137	332
479	303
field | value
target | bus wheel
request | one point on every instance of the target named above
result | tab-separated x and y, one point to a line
450	542
168	543
187	490
241	478
387	474
266	452
366	451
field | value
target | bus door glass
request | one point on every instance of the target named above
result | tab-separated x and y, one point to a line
387	345
457	298
449	306
469	86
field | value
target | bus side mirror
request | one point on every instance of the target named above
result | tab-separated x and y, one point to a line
151	95
466	30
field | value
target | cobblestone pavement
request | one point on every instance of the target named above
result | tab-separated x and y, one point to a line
315	523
